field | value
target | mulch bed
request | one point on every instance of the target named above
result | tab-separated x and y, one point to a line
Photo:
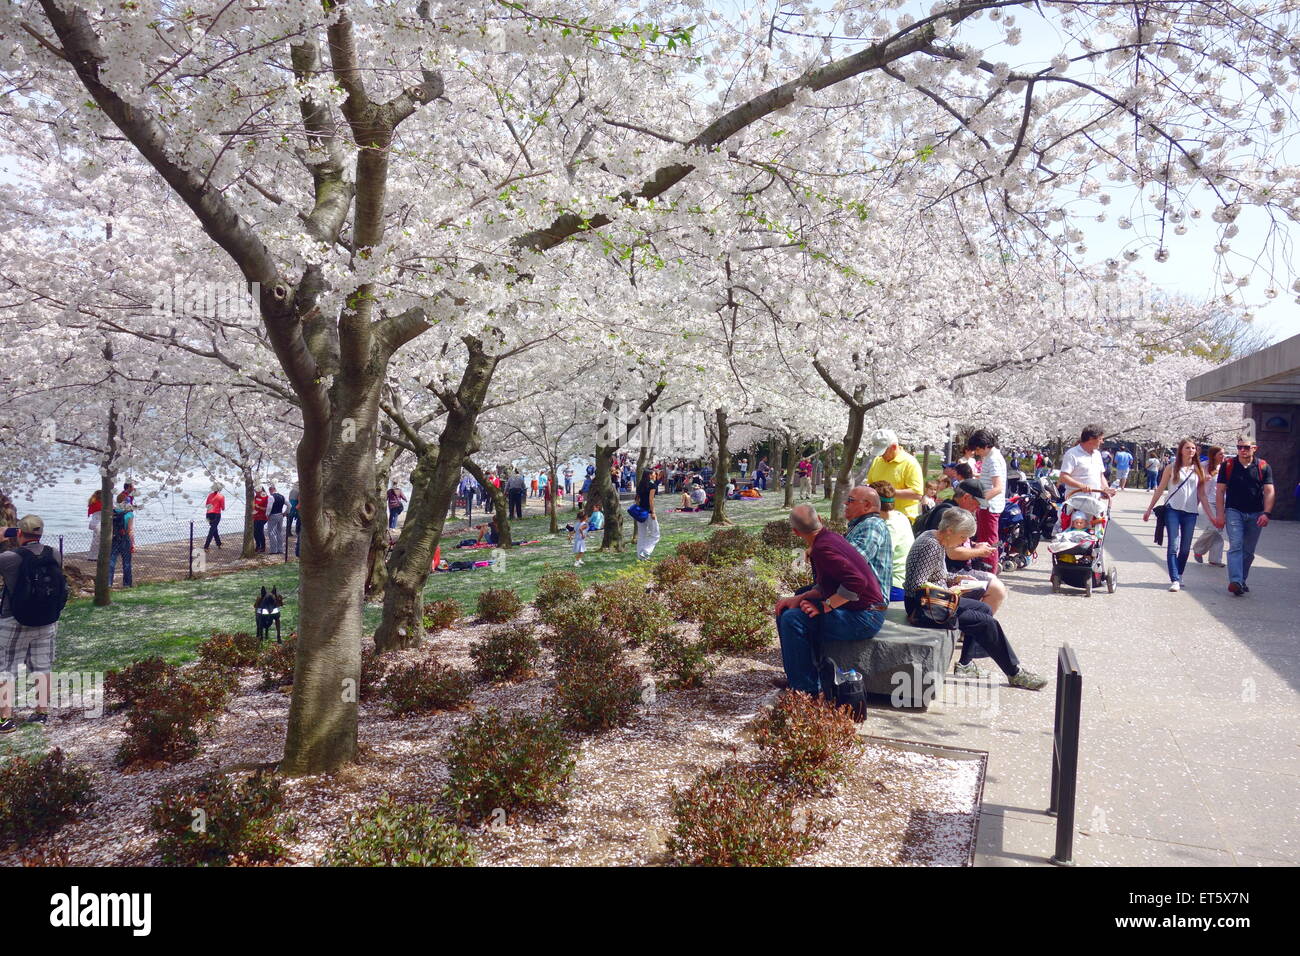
899	808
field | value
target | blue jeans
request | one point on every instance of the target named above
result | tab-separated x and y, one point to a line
1153	479
121	549
1180	526
1243	535
801	638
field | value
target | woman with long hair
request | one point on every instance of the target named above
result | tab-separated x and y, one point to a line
1183	484
1211	539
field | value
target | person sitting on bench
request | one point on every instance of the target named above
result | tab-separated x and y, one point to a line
844	602
982	633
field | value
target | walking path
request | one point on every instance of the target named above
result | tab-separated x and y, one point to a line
1190	745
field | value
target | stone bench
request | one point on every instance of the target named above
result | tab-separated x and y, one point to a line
905	663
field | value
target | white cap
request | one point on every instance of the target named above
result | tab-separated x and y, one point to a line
881	439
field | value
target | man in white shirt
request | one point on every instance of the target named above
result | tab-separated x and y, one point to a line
1084	474
993	483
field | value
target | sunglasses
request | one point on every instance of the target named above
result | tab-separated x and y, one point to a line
1245	447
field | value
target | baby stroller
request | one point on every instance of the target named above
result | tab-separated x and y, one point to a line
1029	519
1017	542
1083	564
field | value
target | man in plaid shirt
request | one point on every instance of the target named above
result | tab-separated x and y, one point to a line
869	533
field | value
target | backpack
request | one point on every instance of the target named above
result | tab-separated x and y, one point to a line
40	589
119	523
1259	463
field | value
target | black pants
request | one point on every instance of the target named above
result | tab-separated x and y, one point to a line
982	633
259	535
516	504
214	523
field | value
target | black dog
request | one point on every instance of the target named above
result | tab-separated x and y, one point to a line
267	612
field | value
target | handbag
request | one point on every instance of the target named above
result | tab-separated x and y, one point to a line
1161	511
936	606
638	513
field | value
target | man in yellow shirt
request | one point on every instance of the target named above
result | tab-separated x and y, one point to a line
890	463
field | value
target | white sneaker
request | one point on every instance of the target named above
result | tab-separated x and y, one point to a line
1175	586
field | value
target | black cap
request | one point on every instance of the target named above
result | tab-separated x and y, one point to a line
970	487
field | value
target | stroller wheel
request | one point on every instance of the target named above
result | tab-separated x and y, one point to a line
1112	578
1087	588
1056	584
1008	565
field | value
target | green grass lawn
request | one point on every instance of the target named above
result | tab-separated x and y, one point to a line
170	619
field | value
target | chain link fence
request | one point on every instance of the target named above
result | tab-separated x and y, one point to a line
170	551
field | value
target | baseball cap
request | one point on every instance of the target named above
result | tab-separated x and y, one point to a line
880	440
32	524
949	464
970	487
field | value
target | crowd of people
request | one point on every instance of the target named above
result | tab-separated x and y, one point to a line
905	537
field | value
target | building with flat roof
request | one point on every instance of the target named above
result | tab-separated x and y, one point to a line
1268	383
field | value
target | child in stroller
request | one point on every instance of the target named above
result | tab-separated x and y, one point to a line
1078	554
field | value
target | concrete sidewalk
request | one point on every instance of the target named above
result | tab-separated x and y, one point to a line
1190	747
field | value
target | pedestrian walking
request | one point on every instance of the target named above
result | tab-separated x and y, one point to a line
94	519
647	531
1244	501
277	509
123	546
35	592
396	499
1153	472
214	506
1184	480
1123	464
993	482
259	520
1211	538
515	491
805	470
580	531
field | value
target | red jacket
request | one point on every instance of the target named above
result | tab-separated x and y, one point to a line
838	568
259	507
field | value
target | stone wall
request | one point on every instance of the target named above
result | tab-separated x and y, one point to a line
1277	430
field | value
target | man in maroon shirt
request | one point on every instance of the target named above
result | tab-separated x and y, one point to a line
843	604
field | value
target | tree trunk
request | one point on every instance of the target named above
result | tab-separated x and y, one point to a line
852	441
721	465
103	589
828	470
340	509
602	490
791	463
376	563
248	547
433	484
500	503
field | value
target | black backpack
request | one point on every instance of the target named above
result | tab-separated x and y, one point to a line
119	523
844	688
40	589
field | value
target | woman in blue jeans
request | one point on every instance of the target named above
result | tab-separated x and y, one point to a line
1183	483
